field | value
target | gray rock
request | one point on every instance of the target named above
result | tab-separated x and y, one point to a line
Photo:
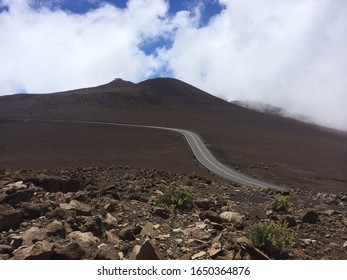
232	217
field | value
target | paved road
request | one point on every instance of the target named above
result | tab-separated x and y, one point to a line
199	149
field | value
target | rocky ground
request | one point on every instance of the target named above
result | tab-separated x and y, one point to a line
112	213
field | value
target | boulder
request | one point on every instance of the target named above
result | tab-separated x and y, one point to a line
17	197
91	224
211	215
55	184
198	255
87	241
214	250
204	203
33	211
310	216
127	234
148	230
148	251
5	249
112	237
41	250
10	218
161	212
69	251
107	252
110	222
232	217
247	247
79	207
56	228
34	234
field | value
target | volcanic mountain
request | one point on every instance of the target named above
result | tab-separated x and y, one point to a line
280	150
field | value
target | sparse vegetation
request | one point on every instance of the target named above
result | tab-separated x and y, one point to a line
10	173
272	237
177	198
281	204
270	190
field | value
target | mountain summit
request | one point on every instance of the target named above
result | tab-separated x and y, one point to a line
268	146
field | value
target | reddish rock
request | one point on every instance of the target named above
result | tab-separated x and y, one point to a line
41	250
148	251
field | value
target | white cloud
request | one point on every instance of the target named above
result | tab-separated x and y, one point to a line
290	53
43	50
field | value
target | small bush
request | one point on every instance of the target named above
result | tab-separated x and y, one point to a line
281	204
177	198
272	237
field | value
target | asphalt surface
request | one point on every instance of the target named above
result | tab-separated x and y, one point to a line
201	152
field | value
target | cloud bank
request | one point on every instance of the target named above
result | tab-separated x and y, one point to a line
290	53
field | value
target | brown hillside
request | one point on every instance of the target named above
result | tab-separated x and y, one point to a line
277	149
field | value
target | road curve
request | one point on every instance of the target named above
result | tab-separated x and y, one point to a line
201	152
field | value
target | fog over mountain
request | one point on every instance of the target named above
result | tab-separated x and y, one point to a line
290	54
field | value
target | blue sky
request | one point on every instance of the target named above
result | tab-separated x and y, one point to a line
208	9
211	7
289	53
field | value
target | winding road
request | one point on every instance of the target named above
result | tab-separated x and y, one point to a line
201	152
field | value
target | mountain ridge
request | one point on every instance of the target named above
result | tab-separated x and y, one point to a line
267	146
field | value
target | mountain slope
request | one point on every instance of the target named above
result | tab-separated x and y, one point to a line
277	149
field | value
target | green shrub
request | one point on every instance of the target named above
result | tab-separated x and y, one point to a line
281	203
177	198
272	237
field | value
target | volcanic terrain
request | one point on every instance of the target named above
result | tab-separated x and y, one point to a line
73	190
280	150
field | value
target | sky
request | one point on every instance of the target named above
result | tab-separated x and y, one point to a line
290	53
